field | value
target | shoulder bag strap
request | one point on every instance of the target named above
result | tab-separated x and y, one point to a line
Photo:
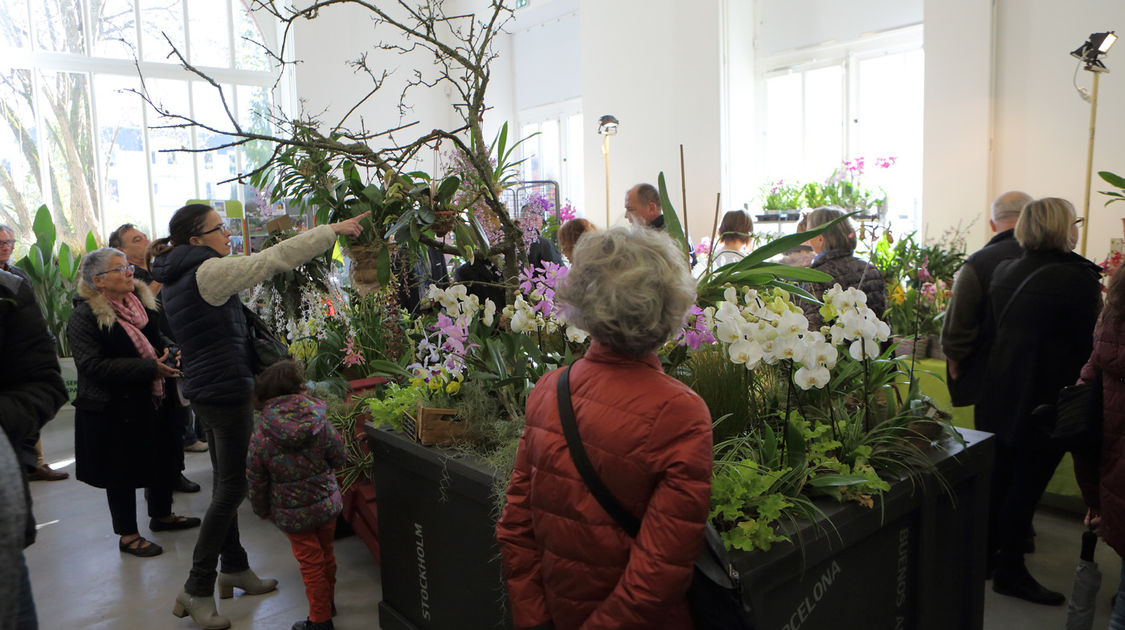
627	521
1011	300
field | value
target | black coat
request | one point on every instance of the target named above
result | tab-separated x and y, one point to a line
1043	341
123	437
31	386
847	271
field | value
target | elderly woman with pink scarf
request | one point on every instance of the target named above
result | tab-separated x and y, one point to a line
124	438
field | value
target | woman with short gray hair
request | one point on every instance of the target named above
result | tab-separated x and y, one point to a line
568	563
1042	308
124	438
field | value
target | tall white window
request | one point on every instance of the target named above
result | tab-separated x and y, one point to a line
553	149
73	137
835	103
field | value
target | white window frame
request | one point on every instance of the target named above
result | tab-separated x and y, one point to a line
559	112
37	61
845	54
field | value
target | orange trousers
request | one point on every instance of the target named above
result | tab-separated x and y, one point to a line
313	550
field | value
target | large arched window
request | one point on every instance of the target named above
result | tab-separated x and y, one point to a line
72	135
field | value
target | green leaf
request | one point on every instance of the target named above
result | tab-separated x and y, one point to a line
448	188
44	228
671	221
383	270
479	230
91	242
1112	179
836	480
66	262
373	194
407	217
37	260
795	446
803	274
463	239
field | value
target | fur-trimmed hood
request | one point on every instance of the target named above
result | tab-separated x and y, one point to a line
101	307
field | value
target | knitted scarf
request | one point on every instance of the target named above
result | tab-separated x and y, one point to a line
132	316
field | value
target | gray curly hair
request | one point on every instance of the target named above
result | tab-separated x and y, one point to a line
95	263
629	288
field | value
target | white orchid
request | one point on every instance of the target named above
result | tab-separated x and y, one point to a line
807	378
746	353
864	348
576	334
489	312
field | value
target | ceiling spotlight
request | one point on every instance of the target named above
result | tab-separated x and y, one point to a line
607	125
1098	44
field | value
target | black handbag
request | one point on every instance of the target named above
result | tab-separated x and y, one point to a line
715	594
267	348
1078	416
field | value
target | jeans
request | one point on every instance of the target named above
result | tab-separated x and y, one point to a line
313	550
26	619
228	430
123	507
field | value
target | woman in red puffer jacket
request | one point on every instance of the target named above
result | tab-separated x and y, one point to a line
568	564
1102	476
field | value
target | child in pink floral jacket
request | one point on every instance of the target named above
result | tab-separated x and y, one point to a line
293	454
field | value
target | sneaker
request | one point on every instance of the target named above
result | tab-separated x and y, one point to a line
197	447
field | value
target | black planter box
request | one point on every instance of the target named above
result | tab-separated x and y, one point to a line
437	534
914	561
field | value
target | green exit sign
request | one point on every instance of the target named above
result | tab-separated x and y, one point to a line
521	3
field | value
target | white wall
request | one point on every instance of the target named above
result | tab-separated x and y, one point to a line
790	24
328	87
956	169
544	53
1042	125
655	64
1029	110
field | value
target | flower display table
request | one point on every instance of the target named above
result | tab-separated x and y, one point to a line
915	560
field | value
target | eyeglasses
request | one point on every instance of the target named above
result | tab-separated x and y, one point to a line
122	269
11	243
221	226
1080	220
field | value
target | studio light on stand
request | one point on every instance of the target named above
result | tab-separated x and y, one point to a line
607	126
1088	53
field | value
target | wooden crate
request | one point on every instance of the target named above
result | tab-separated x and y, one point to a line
433	426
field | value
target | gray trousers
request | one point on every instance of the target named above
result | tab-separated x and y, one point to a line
228	429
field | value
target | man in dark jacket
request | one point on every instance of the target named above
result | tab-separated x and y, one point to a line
960	334
31	392
642	207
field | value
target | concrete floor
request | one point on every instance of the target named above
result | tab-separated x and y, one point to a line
82	581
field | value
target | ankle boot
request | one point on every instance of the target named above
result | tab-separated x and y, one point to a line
1012	578
246	581
202	611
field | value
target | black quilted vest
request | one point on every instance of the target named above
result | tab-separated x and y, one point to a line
214	342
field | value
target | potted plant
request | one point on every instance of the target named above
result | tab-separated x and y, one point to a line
53	269
780	201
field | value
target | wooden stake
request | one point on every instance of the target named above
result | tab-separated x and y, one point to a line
714	228
683	192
